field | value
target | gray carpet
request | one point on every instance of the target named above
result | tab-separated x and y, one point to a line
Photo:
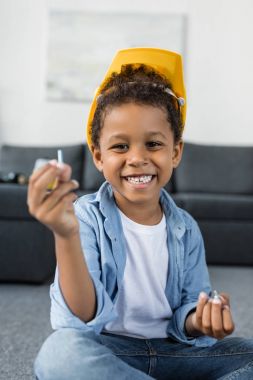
24	324
24	318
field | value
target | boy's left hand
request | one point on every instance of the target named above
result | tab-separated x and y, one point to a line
212	317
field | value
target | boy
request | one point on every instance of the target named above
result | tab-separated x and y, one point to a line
131	296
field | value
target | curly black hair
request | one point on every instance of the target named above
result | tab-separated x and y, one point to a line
139	84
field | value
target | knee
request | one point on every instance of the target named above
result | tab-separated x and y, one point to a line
58	358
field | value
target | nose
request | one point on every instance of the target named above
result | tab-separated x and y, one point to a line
137	157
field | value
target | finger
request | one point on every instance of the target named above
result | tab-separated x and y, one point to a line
55	196
69	202
65	173
203	299
64	204
206	318
56	215
228	324
37	189
216	319
225	298
39	171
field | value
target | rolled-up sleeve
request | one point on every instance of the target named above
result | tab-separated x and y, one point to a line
195	280
61	315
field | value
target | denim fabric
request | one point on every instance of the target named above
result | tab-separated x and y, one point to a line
73	354
104	248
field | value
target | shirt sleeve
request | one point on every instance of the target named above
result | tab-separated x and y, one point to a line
195	280
61	315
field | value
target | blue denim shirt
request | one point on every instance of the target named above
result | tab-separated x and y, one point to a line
103	244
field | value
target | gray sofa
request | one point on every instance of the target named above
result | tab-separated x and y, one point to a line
213	183
26	246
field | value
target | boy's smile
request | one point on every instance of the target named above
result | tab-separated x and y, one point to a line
137	155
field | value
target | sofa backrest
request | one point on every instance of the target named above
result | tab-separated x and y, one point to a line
215	169
21	159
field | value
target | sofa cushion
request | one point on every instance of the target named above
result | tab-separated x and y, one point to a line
21	159
215	169
13	202
228	207
227	242
27	251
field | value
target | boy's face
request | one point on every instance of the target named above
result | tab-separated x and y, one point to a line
137	153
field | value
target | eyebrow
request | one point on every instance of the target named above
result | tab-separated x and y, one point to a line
124	136
155	133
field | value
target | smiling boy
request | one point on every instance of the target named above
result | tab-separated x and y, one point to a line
131	296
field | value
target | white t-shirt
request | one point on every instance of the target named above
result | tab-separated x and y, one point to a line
142	306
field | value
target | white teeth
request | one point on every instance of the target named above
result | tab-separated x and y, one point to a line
141	179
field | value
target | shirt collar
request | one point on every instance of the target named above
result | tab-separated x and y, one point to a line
173	214
174	217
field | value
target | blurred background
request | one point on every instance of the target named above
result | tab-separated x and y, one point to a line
53	54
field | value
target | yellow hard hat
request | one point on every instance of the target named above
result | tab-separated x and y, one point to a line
163	61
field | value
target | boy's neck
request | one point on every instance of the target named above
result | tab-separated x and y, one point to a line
141	215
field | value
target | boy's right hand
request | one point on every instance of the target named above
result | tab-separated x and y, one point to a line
54	208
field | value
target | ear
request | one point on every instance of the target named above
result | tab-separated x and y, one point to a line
97	158
177	153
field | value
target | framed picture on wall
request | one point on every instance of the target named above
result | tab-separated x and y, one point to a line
82	44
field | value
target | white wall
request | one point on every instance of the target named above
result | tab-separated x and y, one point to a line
218	70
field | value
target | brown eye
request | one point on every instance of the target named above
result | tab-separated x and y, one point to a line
153	144
120	147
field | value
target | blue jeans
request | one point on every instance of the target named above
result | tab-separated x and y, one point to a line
70	354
